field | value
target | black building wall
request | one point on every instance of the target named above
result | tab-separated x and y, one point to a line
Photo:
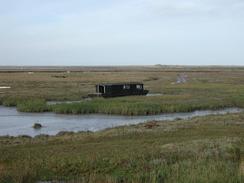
111	90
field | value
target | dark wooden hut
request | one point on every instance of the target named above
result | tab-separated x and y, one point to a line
120	89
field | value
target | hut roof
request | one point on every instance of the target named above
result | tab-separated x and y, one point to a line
122	83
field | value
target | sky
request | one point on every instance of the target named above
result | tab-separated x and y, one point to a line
121	32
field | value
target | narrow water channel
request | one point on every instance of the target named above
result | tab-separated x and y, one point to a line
14	123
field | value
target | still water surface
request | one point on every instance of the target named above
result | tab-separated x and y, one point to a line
14	123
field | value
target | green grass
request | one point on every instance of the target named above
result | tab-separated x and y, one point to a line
206	149
140	105
10	101
26	105
136	106
206	88
32	106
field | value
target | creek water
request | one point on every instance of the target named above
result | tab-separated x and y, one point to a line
15	123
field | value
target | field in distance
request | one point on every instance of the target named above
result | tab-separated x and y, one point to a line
182	89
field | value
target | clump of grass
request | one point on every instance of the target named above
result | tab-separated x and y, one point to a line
37	105
133	106
26	104
238	100
11	101
122	105
107	107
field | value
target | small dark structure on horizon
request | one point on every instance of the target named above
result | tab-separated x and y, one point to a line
120	89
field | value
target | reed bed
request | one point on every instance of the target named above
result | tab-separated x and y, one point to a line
123	105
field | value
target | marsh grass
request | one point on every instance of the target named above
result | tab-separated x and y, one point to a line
194	161
206	88
36	105
137	106
124	105
205	149
200	150
26	104
11	101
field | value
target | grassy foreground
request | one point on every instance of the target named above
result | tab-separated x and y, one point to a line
207	149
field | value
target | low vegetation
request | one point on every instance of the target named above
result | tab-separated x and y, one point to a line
143	105
35	105
124	105
204	88
207	149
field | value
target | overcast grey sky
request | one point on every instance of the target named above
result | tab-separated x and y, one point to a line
121	32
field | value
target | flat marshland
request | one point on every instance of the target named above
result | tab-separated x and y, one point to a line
202	149
204	88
